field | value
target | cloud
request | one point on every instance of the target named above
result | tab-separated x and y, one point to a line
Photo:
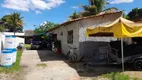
43	23
75	7
22	5
38	12
121	1
27	5
43	5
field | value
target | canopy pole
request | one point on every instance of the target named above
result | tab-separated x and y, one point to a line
122	51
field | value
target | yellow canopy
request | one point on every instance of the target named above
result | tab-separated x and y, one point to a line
121	28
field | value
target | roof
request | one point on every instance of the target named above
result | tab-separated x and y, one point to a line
29	33
139	21
40	34
78	19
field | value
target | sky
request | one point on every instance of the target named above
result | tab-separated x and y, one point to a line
36	12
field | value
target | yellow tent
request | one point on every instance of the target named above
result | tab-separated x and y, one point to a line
121	28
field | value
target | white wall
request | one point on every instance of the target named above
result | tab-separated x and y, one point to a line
16	34
63	38
95	22
79	32
17	40
89	45
2	41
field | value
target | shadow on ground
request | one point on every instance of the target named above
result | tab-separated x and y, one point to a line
97	70
46	55
82	70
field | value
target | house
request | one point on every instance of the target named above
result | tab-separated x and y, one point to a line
73	33
28	36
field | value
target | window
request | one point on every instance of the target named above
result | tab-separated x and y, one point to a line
54	37
70	37
61	33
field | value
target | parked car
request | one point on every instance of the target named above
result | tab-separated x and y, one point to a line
38	42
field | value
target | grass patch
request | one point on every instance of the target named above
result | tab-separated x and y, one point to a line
119	76
41	65
16	66
27	46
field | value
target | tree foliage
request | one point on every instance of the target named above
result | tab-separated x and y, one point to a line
100	4
1	28
44	27
111	9
135	14
74	15
13	22
95	7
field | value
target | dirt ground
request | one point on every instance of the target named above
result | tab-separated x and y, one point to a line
55	69
46	65
12	76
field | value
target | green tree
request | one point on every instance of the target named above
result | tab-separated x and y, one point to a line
14	21
44	27
1	28
74	15
135	14
88	10
95	7
100	4
112	9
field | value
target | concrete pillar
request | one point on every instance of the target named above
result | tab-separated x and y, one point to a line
0	42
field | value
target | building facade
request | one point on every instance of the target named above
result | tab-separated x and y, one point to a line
73	34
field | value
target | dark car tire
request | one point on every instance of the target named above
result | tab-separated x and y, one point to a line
137	65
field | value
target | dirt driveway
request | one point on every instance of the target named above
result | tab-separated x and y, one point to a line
46	65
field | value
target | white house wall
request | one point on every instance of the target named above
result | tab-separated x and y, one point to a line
95	22
89	45
85	45
12	33
63	38
2	40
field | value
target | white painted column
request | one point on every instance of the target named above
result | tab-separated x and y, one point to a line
0	44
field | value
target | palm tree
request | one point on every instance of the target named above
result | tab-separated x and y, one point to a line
14	21
100	4
95	7
74	15
88	10
2	25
